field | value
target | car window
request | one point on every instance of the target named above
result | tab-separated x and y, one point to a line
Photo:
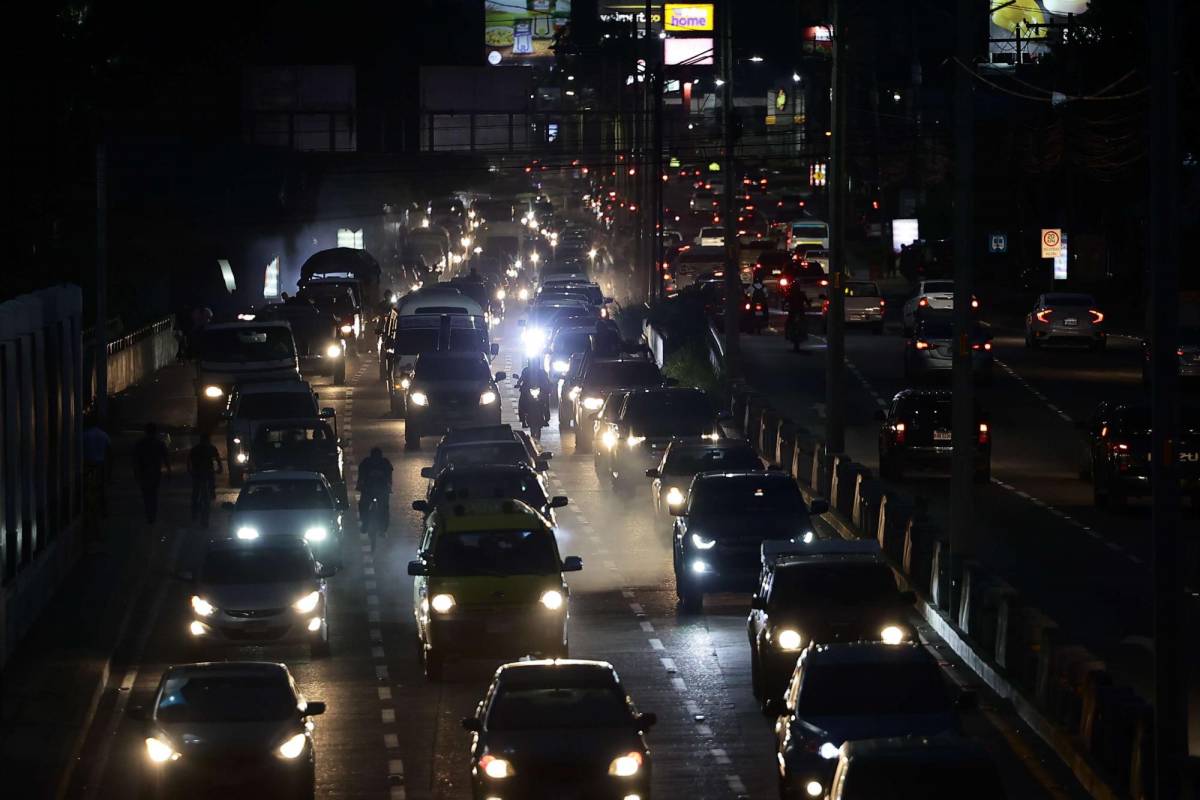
256	565
690	461
746	495
276	438
557	708
571	342
226	698
475	553
939	287
522	487
284	495
276	405
452	369
872	688
247	344
623	373
511	452
841	584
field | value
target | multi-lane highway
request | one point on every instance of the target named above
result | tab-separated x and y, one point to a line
390	734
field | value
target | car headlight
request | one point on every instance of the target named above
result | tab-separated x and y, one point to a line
608	439
308	602
159	751
634	441
627	765
552	599
501	294
405	383
347	328
674	496
593	403
202	606
814	788
442	603
789	639
419	399
213	391
497	768
700	542
892	634
561	366
487	398
574	393
241	458
294	746
247	533
317	533
828	751
333	351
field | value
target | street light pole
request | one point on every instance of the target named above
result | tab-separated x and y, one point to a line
837	181
733	276
101	328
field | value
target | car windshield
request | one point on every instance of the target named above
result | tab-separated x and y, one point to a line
1080	300
896	779
256	564
284	495
306	323
939	287
276	405
690	461
872	689
416	341
501	485
226	698
623	373
276	438
338	296
453	369
670	413
463	455
247	344
842	584
571	342
560	707
818	230
744	495
476	553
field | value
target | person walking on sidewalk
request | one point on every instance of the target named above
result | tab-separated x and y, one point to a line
97	465
204	463
150	458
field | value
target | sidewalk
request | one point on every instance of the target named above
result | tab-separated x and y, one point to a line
53	683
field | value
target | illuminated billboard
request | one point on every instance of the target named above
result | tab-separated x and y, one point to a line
522	31
1018	31
686	17
688	52
631	11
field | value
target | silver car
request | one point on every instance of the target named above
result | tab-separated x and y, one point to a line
253	593
290	504
929	352
1065	318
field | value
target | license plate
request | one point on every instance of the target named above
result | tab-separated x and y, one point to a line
1070	322
499	627
941	436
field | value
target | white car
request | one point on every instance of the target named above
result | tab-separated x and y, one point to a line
259	593
290	504
250	404
931	295
711	236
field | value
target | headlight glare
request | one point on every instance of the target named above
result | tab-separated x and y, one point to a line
293	747
213	391
813	788
552	599
308	602
317	533
247	533
627	765
487	398
159	751
789	639
501	294
523	294
405	383
828	751
497	768
608	439
419	399
634	441
593	403
347	328
442	603
892	634
561	366
202	606
333	351
674	496
700	542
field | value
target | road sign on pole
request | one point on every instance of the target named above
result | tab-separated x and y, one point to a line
998	243
1051	242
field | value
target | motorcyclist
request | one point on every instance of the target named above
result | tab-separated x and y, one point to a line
374	483
797	321
534	377
386	304
759	298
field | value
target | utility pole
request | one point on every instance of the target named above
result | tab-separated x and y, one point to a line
733	275
654	57
837	181
963	424
1162	246
101	329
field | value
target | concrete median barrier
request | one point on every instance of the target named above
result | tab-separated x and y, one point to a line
768	433
917	561
802	457
785	444
895	511
941	575
1023	643
1094	683
868	494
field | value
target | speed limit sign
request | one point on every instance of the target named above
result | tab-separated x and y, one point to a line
1051	242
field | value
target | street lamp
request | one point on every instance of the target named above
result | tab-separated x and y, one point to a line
795	77
756	59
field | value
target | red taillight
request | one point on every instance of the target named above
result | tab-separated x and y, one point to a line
920	345
1179	352
1097	317
882	302
1044	315
983	346
985	433
824	282
747	306
783	282
974	303
924	301
898	429
779	204
824	306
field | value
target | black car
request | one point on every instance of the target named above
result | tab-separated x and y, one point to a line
916	430
718	536
819	592
599	377
229	726
447	390
1116	453
491	482
555	729
684	459
916	766
310	445
320	345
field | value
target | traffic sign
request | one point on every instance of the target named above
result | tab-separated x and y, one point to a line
998	243
1051	242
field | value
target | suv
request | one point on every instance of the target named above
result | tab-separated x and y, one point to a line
597	379
819	592
1116	452
320	346
252	404
916	429
489	581
648	421
238	352
449	390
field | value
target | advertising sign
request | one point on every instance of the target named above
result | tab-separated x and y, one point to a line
696	50
1018	31
631	11
689	17
522	31
904	232
1051	242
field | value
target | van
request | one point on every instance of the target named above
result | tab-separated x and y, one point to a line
228	353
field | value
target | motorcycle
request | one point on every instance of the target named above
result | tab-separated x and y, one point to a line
534	410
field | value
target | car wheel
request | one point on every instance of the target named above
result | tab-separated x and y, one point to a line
412	436
435	665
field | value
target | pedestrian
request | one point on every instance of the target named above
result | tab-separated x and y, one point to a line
150	458
97	464
204	464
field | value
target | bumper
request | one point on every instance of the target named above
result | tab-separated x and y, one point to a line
266	775
519	633
561	785
1067	334
864	317
286	628
937	454
777	667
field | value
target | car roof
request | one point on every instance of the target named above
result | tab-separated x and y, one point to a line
908	749
473	470
477	515
869	653
275	475
248	669
760	476
543	673
701	443
272	387
926	394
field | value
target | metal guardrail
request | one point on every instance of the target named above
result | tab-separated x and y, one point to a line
117	345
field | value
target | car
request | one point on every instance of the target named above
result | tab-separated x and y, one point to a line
290	504
252	404
916	429
599	377
861	690
450	389
1116	452
501	432
929	350
342	298
711	236
543	319
406	337
685	458
646	423
703	202
862	305
491	482
713	547
819	592
510	451
1187	351
565	343
320	345
226	353
1065	318
260	590
232	725
808	232
488	582
770	269
559	729
931	295
904	767
309	445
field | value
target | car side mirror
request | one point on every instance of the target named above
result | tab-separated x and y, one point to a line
558	501
500	376
427	472
907	598
880	415
328	413
326	570
572	564
495	349
228	506
420	505
775	707
652	473
472	724
314	708
647	719
417	568
818	506
757	603
967	700
186	575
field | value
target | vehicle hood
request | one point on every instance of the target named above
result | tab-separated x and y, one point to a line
285	522
838	623
841	729
741	528
210	739
464	387
227	373
256	596
593	746
487	591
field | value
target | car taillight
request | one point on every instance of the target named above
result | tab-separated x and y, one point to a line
882	302
1044	315
900	432
984	346
924	301
1179	352
824	306
783	282
974	303
985	433
1097	317
921	345
747	306
823	282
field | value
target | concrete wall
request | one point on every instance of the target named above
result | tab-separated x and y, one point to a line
132	358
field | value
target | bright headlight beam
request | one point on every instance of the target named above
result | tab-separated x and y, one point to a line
202	606
593	403
487	398
789	640
495	767
892	634
308	602
828	751
159	751
702	543
626	765
246	533
333	351
213	391
419	399
552	599
674	496
317	533
293	747
441	603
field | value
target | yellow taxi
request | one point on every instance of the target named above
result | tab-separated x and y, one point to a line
488	581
